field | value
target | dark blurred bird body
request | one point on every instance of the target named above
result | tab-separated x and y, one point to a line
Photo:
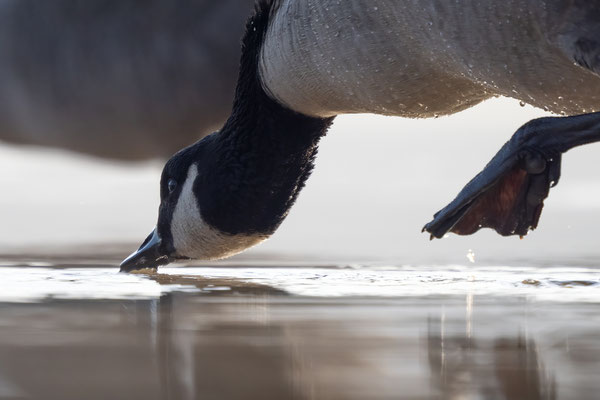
120	79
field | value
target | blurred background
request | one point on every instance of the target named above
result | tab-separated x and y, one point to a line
96	95
378	180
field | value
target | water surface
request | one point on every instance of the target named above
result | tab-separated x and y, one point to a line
278	331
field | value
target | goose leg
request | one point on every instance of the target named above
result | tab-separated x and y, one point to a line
508	195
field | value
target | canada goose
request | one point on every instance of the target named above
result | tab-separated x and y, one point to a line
305	61
117	79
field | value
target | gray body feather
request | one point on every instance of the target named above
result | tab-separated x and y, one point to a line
418	58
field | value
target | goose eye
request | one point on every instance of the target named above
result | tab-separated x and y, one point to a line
172	185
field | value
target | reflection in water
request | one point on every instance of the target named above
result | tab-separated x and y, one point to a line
503	368
213	363
520	371
261	346
216	286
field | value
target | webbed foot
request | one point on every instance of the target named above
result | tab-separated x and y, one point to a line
508	195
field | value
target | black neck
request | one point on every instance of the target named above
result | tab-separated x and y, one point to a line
264	153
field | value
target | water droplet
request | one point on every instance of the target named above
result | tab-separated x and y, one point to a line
522	103
471	255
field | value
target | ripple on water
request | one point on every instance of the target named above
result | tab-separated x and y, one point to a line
568	284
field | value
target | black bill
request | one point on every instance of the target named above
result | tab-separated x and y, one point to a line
149	255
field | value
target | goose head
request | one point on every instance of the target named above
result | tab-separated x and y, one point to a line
232	189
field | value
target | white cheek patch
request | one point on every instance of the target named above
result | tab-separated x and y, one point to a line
194	238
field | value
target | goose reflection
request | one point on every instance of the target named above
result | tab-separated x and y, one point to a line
265	345
216	286
491	368
221	359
